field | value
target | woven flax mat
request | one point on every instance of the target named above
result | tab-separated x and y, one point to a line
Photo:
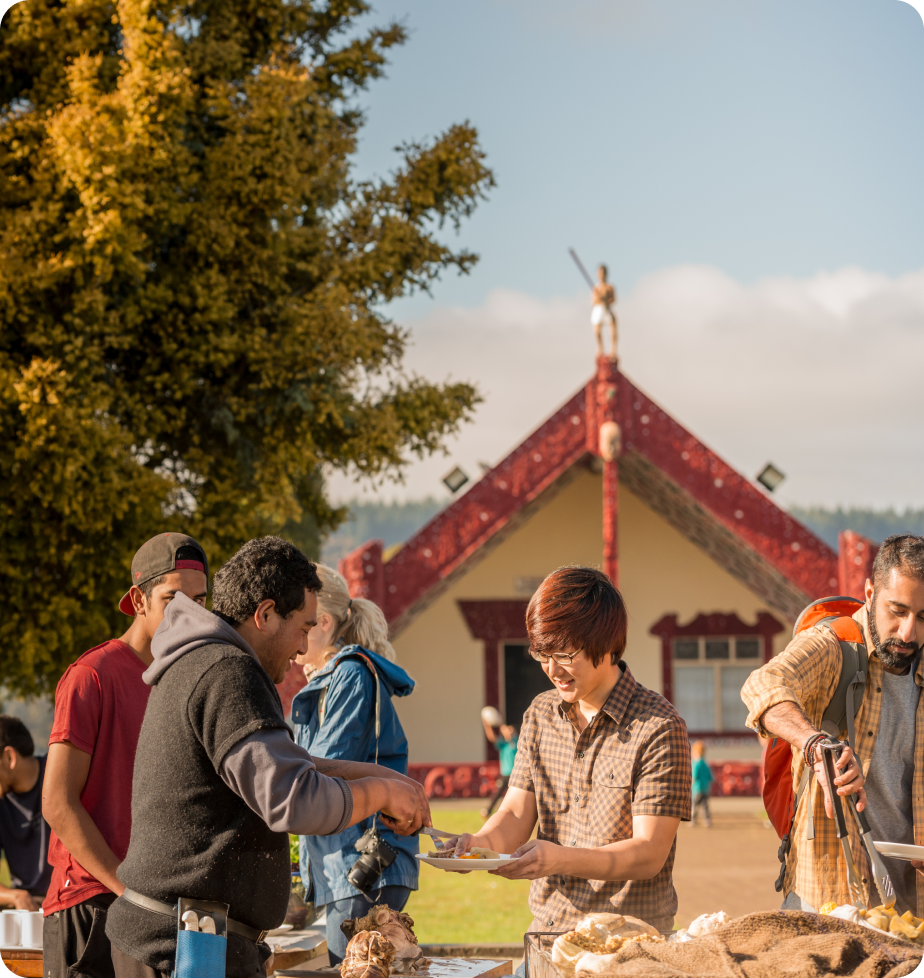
773	944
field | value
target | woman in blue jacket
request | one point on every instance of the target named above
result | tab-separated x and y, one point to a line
334	715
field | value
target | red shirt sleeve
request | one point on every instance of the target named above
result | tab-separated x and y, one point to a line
78	705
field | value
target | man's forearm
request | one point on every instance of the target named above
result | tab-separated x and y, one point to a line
788	720
20	899
84	841
503	832
354	770
631	859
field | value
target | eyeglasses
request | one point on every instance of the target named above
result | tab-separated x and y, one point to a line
560	658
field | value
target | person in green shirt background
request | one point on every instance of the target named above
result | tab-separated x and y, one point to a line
506	744
702	782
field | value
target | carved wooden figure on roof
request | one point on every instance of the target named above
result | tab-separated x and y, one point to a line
603	299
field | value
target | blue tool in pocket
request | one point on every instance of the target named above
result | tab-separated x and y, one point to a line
201	939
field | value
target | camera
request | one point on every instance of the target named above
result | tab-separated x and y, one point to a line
376	855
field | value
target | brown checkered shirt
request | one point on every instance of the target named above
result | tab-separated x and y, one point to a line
633	758
806	673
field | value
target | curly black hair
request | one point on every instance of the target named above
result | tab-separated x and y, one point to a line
264	568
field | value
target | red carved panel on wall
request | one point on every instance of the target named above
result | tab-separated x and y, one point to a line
856	554
668	628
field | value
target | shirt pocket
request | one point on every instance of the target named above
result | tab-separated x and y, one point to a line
609	815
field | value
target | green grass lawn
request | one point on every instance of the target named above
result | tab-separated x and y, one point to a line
473	909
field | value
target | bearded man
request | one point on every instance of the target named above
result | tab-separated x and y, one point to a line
885	767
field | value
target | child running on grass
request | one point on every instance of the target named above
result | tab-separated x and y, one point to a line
506	744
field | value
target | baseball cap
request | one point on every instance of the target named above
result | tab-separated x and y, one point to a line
158	557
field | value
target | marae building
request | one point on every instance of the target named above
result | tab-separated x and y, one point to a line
713	571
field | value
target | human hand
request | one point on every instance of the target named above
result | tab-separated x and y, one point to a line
22	900
406	808
849	778
918	865
534	860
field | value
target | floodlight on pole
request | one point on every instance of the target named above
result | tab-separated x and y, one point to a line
454	480
770	477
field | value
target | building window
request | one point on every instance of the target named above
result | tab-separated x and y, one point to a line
708	675
706	662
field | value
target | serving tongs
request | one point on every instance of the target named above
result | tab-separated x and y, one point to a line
880	874
829	751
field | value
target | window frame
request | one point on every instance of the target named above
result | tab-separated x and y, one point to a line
708	626
717	665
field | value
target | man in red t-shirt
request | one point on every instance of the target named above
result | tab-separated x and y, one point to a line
99	707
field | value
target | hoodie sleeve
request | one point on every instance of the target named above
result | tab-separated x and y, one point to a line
278	780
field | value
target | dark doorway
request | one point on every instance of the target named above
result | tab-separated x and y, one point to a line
524	680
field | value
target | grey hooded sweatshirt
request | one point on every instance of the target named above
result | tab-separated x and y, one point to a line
218	783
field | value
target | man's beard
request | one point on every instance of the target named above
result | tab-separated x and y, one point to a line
891	653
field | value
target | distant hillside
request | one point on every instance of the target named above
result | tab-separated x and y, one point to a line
876	524
391	522
395	522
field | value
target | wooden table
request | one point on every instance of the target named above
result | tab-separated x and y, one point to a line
438	968
23	962
296	947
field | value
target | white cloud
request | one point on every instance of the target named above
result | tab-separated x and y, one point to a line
823	376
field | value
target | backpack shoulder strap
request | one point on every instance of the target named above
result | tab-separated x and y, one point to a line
845	702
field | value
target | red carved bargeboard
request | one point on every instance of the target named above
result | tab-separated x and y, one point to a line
479	780
733	520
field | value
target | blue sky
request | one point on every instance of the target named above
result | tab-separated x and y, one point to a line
754	141
763	138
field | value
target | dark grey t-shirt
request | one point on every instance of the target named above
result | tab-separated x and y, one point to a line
890	777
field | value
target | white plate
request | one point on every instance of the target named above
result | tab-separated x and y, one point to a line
279	931
898	850
464	865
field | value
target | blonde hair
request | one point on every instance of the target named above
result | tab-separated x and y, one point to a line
697	748
358	621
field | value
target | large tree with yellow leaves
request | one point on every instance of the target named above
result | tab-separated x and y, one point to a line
191	291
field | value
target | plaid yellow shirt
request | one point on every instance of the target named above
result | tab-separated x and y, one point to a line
633	758
806	673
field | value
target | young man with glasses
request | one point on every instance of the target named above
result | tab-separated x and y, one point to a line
603	765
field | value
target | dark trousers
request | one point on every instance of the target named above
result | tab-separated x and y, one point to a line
75	941
498	793
701	806
394	897
126	967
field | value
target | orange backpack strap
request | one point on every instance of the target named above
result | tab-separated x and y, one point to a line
845	703
846	630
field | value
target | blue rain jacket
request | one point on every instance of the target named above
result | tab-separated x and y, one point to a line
347	732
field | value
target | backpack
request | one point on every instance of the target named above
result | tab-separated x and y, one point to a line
780	801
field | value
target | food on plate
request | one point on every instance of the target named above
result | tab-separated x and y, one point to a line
598	935
708	922
397	929
368	955
476	852
885	919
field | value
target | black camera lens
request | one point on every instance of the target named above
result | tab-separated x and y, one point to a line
376	855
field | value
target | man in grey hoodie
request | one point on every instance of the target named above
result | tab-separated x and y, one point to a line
219	782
